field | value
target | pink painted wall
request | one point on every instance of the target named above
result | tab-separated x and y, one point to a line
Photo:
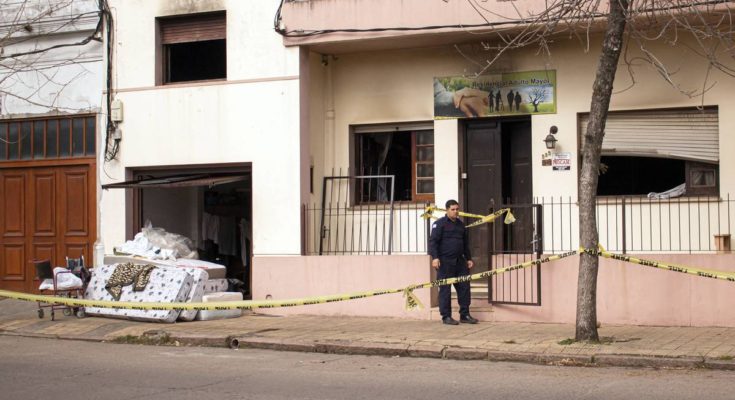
370	14
627	293
295	277
635	295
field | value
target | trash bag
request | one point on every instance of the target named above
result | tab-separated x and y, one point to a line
180	245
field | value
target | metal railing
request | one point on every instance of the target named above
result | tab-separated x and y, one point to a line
637	224
625	224
358	216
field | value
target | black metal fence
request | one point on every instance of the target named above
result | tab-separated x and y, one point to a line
514	244
625	225
365	229
641	225
358	215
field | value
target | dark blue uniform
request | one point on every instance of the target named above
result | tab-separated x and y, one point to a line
449	244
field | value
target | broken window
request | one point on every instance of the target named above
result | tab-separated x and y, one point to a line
193	47
406	154
659	153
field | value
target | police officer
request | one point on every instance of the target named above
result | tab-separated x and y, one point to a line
450	256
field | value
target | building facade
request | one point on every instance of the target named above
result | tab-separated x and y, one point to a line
209	104
407	90
51	85
321	140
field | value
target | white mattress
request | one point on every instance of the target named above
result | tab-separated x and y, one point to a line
215	285
166	285
215	271
199	279
207	315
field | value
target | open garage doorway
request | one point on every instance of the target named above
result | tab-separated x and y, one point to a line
211	206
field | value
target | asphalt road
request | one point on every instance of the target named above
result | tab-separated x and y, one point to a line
59	369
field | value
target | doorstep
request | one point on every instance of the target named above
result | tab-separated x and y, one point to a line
483	313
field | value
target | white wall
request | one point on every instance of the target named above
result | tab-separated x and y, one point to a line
253	117
176	210
66	79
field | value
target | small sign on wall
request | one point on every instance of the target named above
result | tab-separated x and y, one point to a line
546	159
561	161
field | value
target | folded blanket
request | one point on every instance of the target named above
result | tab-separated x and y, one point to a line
128	274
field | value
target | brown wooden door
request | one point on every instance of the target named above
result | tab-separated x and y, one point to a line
520	234
13	230
498	162
484	181
48	213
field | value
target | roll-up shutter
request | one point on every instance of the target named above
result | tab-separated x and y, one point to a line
687	134
193	28
400	127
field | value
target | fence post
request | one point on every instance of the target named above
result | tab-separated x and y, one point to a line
390	218
321	222
427	223
624	226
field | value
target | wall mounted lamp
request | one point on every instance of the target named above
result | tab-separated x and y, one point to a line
550	139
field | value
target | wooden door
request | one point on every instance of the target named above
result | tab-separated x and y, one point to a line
13	230
484	181
47	213
520	234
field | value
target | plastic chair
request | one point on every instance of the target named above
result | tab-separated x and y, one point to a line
49	284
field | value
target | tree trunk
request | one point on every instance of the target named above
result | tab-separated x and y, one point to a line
588	236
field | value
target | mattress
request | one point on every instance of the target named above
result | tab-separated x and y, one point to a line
215	285
114	259
166	285
199	279
208	315
215	271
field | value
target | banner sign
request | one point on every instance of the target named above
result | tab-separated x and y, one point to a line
513	93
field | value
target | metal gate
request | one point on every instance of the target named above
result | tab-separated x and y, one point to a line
357	215
513	244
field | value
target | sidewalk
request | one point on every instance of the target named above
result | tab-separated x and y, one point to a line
634	346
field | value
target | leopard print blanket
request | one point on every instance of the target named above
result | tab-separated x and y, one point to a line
128	274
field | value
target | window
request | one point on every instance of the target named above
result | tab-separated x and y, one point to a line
48	138
193	48
674	151
642	175
701	179
406	153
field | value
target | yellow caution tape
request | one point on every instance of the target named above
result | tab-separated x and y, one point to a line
705	273
487	274
483	219
412	302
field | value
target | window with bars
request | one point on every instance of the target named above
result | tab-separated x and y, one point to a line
406	154
49	138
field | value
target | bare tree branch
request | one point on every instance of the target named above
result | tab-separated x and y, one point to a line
32	55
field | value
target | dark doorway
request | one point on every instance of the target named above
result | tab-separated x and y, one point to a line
498	164
497	158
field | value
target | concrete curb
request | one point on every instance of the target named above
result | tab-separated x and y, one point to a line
458	353
727	365
426	351
617	360
421	351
